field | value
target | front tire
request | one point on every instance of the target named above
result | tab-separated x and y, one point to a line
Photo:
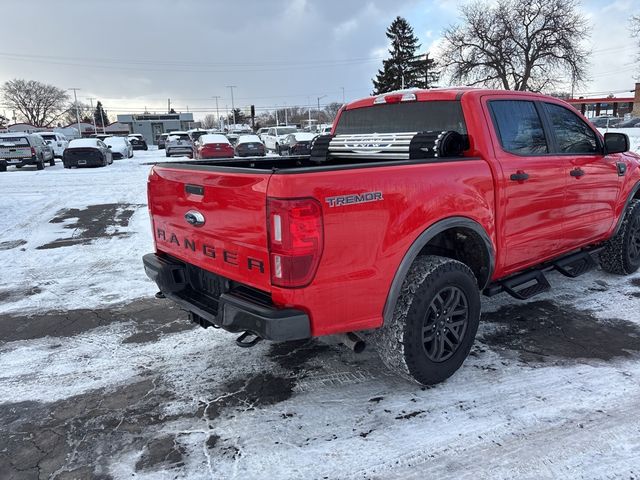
434	323
621	254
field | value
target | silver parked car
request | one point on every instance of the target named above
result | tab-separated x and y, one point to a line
20	149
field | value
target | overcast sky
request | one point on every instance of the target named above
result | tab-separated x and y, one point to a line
133	54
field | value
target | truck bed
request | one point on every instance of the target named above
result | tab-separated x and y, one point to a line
295	164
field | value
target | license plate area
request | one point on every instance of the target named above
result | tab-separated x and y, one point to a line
207	283
82	162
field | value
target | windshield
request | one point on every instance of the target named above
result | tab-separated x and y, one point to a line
286	131
114	141
179	136
21	141
434	116
48	137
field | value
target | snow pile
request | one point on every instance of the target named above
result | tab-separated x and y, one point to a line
39	271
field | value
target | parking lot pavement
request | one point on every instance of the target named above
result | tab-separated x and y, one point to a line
101	380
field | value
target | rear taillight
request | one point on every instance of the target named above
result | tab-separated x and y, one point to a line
296	239
33	152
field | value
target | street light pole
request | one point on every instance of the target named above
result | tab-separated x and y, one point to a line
233	108
75	98
93	116
319	98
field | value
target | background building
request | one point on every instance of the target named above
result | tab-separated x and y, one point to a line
150	126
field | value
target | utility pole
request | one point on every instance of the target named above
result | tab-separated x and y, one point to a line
102	118
93	116
75	98
319	98
343	102
286	118
168	105
233	108
217	111
309	109
426	70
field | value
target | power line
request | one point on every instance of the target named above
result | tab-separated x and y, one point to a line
148	67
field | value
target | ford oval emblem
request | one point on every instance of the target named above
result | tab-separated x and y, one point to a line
195	218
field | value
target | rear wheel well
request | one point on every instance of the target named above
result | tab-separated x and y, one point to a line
466	246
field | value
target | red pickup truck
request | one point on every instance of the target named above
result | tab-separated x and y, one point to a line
418	202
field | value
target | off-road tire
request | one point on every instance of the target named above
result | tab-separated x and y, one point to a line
52	162
40	165
621	255
400	342
3	168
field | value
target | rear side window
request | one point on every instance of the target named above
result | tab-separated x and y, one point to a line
572	134
519	127
434	116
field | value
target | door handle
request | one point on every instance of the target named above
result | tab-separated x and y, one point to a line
577	172
520	176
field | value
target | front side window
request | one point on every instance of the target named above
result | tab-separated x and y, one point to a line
519	127
572	134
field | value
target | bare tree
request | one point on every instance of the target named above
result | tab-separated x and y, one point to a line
517	44
331	110
84	111
634	27
210	121
38	103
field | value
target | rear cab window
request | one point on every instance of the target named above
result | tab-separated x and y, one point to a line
17	141
431	116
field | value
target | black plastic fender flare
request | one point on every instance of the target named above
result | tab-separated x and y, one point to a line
632	195
424	238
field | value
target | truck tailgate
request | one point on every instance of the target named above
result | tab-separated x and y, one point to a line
15	152
232	241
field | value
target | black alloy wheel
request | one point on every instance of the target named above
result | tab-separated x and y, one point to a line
634	240
445	324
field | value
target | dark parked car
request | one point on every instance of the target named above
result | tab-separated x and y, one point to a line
87	152
162	140
298	143
138	142
631	123
20	149
606	122
250	146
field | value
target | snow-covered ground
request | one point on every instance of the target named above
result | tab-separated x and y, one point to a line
98	383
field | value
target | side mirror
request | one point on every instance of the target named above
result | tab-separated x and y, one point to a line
616	143
109	146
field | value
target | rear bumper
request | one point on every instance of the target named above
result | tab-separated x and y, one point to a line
233	312
18	161
177	150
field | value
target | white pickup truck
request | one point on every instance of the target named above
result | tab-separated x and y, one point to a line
275	135
56	141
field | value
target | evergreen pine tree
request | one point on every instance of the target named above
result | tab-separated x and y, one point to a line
426	71
99	114
399	66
